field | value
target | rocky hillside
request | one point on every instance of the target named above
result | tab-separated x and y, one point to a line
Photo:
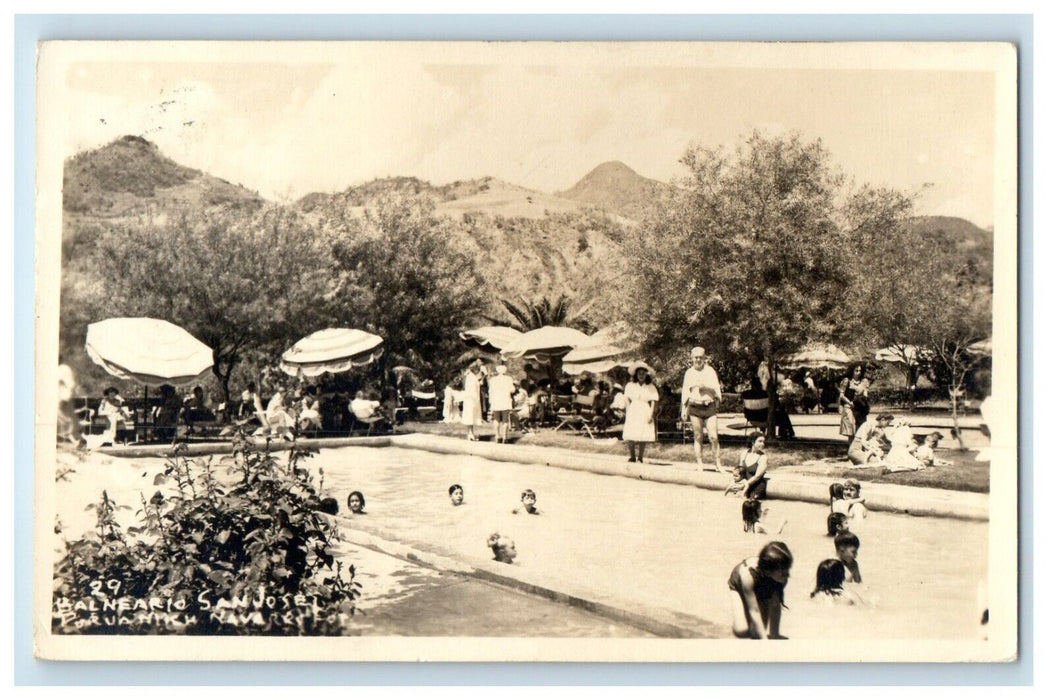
615	187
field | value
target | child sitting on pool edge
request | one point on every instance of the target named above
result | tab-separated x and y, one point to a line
739	482
754	515
527	500
846	546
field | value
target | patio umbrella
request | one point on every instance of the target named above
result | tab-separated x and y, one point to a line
493	338
982	347
817	357
331	350
546	342
900	354
147	350
600	366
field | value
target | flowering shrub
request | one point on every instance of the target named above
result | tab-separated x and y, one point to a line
241	550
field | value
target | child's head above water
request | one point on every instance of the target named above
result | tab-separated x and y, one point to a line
751	511
774	561
851	488
846	545
528	498
830	577
356	502
835	491
836	524
504	549
457	494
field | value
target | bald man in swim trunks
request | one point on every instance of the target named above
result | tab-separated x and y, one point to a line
700	395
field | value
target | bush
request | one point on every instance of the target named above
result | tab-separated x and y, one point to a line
249	556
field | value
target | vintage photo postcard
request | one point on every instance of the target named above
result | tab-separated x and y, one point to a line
526	351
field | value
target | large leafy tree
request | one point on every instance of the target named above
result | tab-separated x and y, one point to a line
746	257
398	274
237	279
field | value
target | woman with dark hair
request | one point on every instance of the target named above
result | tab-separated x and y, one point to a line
756	588
642	399
861	407
847	393
754	462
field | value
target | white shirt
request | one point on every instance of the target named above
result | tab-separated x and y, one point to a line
500	392
698	383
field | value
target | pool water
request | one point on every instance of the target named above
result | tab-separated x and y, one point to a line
665	545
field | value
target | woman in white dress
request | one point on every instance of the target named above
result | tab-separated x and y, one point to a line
641	401
472	406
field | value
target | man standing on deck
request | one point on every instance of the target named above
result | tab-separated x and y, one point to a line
700	396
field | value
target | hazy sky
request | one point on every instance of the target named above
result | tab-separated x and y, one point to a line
542	119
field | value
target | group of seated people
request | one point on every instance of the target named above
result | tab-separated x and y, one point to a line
889	442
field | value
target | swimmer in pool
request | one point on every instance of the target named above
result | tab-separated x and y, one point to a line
837	523
849	503
755	516
846	546
504	549
527	503
756	590
457	494
357	503
830	577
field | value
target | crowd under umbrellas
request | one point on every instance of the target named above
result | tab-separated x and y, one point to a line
173	358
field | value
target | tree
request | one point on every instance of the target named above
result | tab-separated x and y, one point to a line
396	273
236	279
529	315
746	257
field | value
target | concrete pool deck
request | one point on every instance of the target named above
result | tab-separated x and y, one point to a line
894	498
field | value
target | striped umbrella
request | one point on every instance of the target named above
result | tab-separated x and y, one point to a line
548	341
331	350
493	338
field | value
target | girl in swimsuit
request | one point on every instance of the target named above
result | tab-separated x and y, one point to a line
756	590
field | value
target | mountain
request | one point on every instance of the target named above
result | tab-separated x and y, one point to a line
131	173
614	186
959	240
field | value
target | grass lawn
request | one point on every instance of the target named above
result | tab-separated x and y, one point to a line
965	474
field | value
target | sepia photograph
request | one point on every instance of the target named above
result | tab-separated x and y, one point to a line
526	351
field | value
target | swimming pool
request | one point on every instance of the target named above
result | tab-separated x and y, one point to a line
664	545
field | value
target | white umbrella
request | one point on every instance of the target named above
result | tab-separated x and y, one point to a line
548	341
331	350
900	354
491	337
147	350
817	357
982	347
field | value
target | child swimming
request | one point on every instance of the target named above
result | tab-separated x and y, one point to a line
754	515
830	577
846	546
457	494
739	482
357	503
503	548
849	502
756	589
837	523
527	500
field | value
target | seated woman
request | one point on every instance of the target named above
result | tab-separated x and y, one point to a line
112	407
867	445
277	419
366	411
167	415
196	409
900	458
754	462
308	415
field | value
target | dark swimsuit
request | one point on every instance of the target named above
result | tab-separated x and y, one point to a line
765	589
